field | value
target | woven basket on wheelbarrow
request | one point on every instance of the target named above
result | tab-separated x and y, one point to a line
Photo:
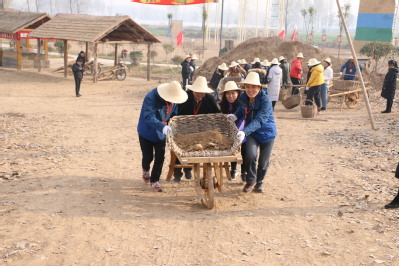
188	124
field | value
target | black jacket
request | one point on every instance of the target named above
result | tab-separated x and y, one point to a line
286	72
77	73
208	105
192	63
216	77
82	58
390	84
185	71
397	171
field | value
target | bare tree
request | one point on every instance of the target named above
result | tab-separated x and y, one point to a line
345	12
170	18
204	18
311	12
304	14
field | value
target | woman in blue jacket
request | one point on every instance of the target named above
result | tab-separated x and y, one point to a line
159	106
259	131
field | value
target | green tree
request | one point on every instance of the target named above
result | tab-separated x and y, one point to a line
204	19
345	10
168	49
177	59
377	51
170	19
59	45
153	54
311	12
136	57
304	14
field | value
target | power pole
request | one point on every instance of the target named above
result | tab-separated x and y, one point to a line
221	28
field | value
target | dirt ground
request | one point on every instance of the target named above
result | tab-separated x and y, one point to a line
71	191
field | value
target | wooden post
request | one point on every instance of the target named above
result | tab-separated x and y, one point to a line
365	95
95	63
65	58
148	61
45	49
19	55
87	52
39	57
27	44
116	55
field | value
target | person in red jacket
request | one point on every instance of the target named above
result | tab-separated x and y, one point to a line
296	73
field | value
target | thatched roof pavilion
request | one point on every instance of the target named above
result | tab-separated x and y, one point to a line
95	29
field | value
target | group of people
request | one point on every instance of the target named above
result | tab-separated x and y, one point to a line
251	111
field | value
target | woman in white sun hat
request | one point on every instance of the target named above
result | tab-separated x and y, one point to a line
200	101
316	80
328	76
159	106
259	131
219	73
229	105
275	77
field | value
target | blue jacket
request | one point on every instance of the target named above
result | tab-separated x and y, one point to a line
153	112
259	120
350	72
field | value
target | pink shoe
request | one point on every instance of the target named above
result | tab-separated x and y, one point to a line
146	176
156	187
319	112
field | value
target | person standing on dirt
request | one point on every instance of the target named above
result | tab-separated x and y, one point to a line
350	69
216	77
77	70
192	66
200	101
82	56
389	87
328	76
395	203
285	67
186	71
274	77
229	105
159	106
296	73
314	83
259	131
124	54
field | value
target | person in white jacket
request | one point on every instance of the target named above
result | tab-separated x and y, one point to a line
328	76
275	77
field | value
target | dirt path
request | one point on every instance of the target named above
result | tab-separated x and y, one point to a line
71	191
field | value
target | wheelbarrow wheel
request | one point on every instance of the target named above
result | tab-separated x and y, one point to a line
121	74
351	100
209	188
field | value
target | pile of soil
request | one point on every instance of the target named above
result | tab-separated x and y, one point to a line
264	48
207	140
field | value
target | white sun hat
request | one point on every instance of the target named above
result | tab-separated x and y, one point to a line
252	79
231	86
243	62
256	59
188	56
223	67
200	85
233	64
194	57
265	63
172	92
239	61
281	58
313	62
275	61
328	60
300	55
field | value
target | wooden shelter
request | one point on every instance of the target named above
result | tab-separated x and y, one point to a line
15	25
95	29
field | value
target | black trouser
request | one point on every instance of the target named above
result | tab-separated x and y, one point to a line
295	81
178	173
273	104
234	165
148	148
313	95
389	105
77	85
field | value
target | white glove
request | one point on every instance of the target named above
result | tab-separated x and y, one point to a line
307	88
192	69
232	117
166	130
340	73
241	135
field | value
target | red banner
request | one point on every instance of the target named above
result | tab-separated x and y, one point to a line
179	38
174	2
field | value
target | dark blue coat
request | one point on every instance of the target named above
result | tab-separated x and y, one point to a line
259	122
153	112
350	72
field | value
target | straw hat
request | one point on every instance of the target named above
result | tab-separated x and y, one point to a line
194	57
350	58
188	56
172	92
255	60
239	61
243	62
252	79
233	64
313	62
328	60
265	63
275	61
200	85
281	58
300	55
231	86
223	67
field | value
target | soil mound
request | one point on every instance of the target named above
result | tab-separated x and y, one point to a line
264	48
207	140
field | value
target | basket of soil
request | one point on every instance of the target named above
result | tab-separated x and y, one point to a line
292	101
308	111
210	135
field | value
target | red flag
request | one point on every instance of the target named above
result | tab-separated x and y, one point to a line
281	34
179	38
293	36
